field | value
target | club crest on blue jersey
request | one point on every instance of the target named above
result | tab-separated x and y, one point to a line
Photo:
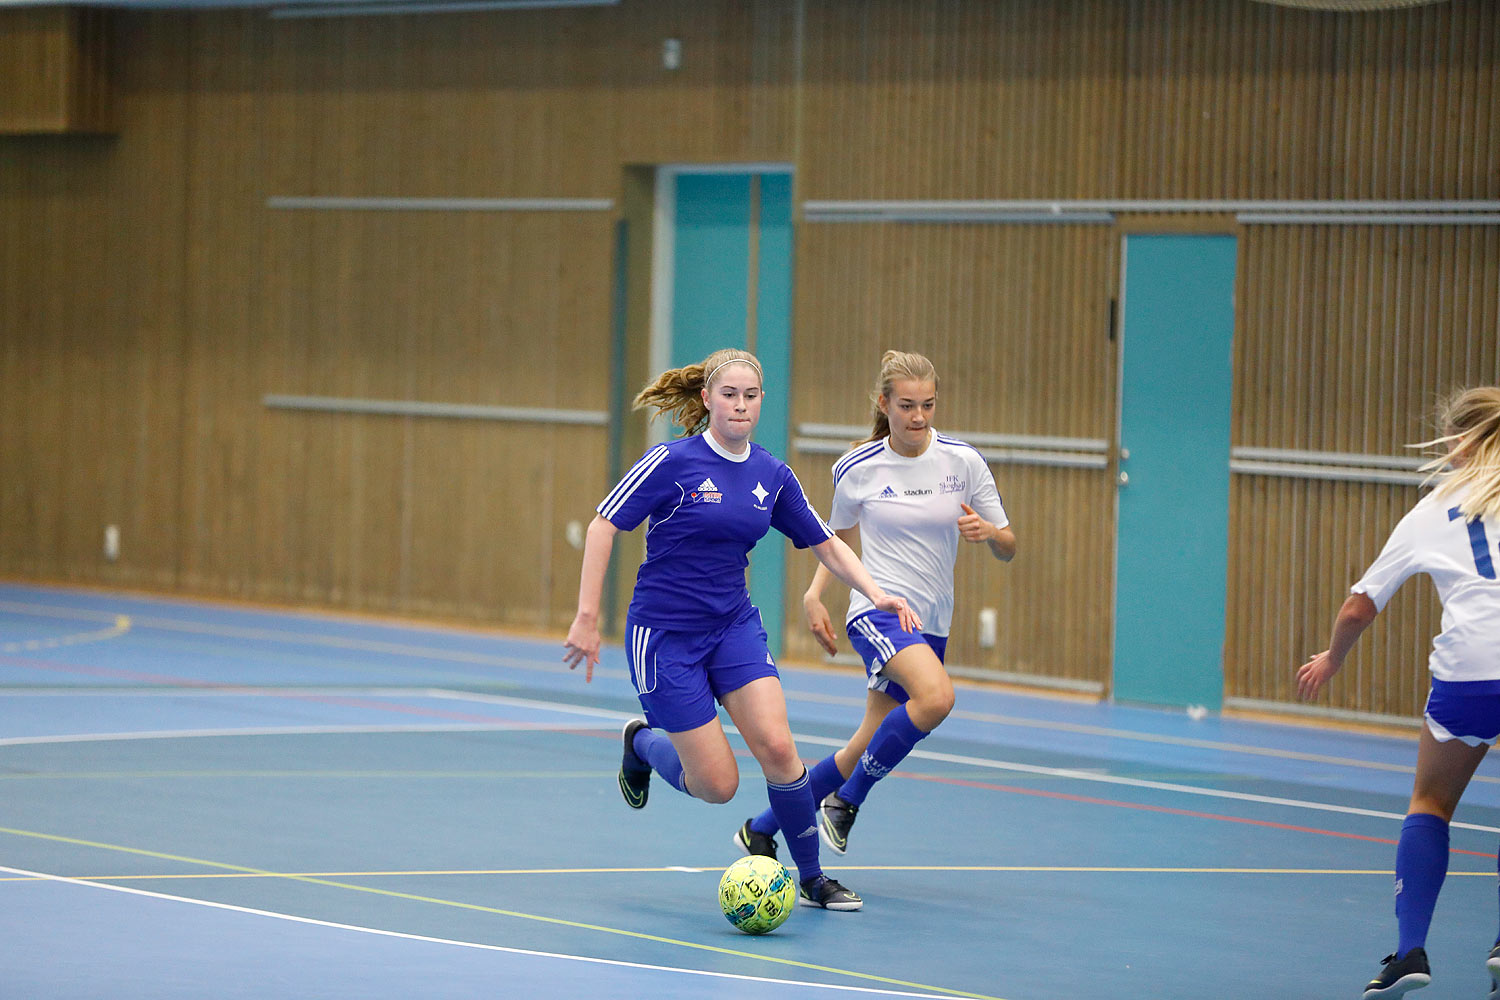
706	492
760	493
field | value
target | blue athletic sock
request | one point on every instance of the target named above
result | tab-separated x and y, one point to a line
889	746
1421	866
793	805
822	779
658	751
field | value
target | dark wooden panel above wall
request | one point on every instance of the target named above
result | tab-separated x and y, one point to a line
54	72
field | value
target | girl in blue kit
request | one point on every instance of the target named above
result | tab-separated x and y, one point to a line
1451	536
907	494
692	635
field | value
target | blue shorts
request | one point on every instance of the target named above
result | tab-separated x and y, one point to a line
679	675
1464	710
877	636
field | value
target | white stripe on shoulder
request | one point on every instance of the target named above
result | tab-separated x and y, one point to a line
633	479
827	531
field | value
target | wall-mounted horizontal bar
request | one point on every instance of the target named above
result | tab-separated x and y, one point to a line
1409	462
450	411
1029	680
1313	711
997	456
1367	219
977	214
443	204
1351	474
852	432
999	676
388	7
829	210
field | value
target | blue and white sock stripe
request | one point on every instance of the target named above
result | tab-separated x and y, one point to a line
640	641
792	787
883	646
854	457
633	479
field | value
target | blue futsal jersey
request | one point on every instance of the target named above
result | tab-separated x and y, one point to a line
707	507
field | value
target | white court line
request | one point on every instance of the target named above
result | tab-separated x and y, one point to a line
465	944
185	734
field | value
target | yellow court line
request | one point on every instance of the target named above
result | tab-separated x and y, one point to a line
1041	869
120	627
475	907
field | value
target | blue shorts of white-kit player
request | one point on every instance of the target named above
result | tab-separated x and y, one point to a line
680	674
1468	711
877	636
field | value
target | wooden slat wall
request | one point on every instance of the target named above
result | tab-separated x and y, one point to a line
54	73
1346	338
1016	319
149	298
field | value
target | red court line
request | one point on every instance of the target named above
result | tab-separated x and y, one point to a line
1091	800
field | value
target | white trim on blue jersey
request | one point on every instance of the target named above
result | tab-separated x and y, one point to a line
637	475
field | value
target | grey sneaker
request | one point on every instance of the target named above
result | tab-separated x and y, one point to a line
754	842
820	890
635	774
1493	965
835	820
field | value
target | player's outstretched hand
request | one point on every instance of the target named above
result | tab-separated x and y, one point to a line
974	528
582	646
1313	674
819	624
897	606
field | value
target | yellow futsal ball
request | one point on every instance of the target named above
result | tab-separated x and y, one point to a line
757	894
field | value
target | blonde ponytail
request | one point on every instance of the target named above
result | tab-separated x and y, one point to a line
1470	420
894	366
679	391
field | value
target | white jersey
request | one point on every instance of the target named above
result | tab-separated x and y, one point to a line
907	510
1461	558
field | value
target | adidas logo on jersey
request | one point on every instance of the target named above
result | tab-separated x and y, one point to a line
887	494
707	486
707	492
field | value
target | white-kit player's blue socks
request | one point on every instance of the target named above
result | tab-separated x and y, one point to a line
1421	866
892	741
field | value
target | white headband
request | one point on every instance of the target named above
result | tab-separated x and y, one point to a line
708	379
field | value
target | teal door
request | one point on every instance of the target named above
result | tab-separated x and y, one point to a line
1173	487
732	287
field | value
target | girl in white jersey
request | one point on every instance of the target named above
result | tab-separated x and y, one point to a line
1451	536
908	495
695	638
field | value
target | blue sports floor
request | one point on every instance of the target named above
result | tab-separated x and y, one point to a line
208	801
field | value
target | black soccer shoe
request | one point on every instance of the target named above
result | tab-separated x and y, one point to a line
1493	965
635	774
835	820
753	842
820	890
1400	976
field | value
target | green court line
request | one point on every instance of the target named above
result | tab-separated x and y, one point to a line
412	897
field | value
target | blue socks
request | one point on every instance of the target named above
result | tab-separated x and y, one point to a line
1421	866
822	779
658	751
888	747
793	805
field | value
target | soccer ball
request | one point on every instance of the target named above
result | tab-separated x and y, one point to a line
757	894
